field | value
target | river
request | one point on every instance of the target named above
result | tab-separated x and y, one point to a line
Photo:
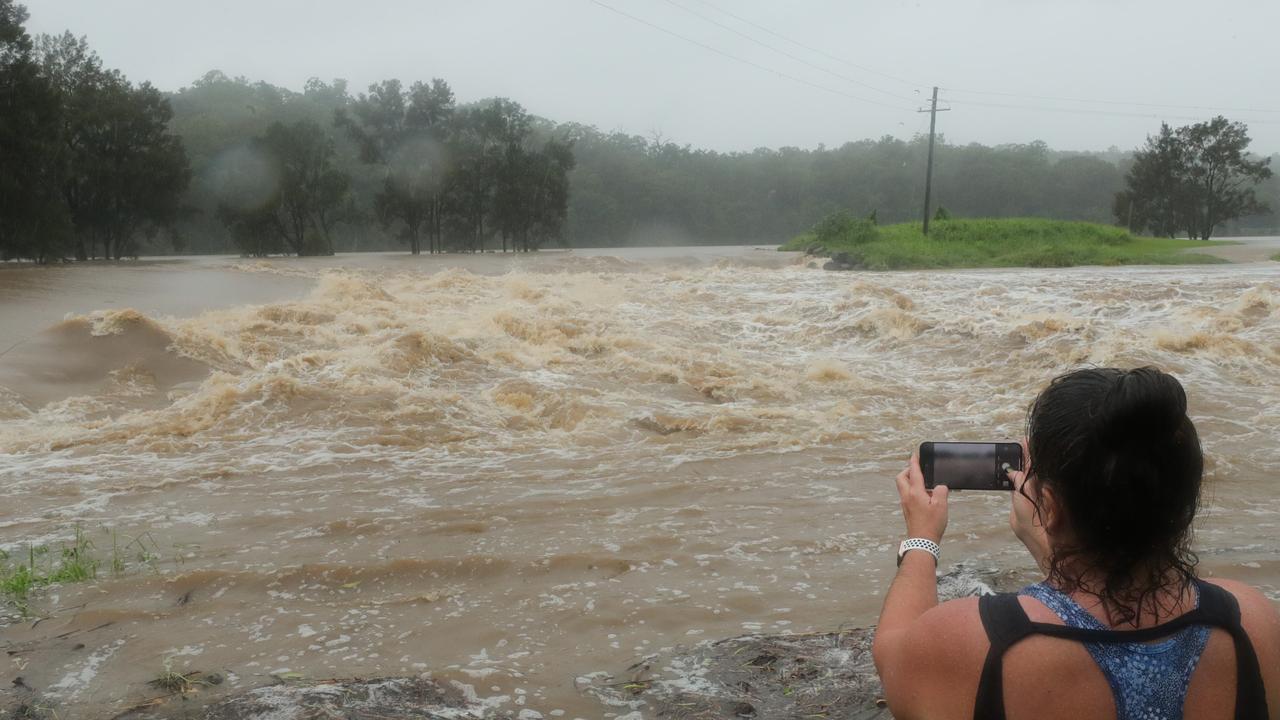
511	472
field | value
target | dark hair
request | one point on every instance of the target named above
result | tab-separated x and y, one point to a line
1123	460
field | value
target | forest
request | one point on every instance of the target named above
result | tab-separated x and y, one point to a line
627	189
97	166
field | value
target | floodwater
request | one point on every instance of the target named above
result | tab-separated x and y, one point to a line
515	472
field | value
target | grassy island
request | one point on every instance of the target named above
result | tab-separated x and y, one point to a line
1012	242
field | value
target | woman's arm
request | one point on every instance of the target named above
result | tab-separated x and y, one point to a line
915	588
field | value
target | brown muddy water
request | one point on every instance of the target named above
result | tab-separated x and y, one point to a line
515	472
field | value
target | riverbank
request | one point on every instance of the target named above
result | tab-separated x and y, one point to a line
1012	242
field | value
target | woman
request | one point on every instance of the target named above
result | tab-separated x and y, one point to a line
1105	508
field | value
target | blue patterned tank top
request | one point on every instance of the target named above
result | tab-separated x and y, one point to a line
1148	680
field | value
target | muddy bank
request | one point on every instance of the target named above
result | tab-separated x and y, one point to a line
351	699
784	676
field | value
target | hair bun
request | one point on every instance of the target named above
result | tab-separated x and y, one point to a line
1143	405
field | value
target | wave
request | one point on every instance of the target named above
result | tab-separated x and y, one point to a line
605	353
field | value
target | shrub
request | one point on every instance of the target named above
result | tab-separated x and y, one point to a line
841	228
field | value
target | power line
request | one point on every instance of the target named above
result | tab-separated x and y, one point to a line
1121	103
788	54
744	61
1086	111
812	49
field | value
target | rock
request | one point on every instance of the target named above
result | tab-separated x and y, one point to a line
785	677
841	261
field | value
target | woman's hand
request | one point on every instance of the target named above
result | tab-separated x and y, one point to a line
1025	519
925	511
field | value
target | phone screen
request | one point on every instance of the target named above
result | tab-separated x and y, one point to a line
969	466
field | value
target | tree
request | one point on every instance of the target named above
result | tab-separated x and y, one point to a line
406	133
286	193
532	195
1191	180
219	117
124	173
1220	174
34	220
487	148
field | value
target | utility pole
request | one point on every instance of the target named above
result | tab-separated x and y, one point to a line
928	173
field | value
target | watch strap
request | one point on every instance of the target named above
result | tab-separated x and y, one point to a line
925	544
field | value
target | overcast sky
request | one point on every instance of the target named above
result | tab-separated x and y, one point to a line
798	75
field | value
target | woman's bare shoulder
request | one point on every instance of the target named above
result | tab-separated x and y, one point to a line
955	623
1254	605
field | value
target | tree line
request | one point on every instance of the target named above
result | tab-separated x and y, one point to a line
94	166
625	189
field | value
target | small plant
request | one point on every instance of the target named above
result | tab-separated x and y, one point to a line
172	681
32	712
75	561
137	547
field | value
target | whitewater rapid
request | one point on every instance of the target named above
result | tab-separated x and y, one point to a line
514	475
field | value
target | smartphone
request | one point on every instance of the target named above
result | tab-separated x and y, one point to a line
970	465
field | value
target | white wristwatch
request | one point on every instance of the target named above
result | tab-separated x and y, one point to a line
925	544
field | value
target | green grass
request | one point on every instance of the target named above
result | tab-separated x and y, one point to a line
1013	242
74	561
1276	257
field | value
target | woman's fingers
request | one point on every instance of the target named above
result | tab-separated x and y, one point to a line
904	482
916	475
939	495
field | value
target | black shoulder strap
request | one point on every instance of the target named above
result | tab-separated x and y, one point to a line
1220	608
1006	623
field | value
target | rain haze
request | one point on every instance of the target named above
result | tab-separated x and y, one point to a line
800	73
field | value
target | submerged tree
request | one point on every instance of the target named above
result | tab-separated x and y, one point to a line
406	133
298	194
532	195
486	144
1192	179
